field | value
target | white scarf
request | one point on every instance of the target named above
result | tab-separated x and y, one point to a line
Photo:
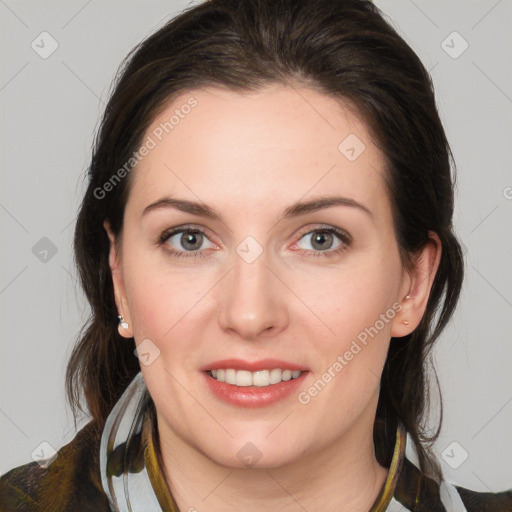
130	491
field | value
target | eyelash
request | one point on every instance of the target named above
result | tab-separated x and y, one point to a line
344	237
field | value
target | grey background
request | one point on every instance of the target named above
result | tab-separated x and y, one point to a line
50	108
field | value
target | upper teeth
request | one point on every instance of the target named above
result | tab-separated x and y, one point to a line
261	378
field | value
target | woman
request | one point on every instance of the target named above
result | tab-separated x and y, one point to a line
268	226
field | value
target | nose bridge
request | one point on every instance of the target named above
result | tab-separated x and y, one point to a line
251	300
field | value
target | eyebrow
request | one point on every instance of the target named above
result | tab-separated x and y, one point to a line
295	210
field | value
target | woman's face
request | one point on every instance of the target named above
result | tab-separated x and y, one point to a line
229	262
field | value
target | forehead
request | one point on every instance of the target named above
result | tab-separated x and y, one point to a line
240	149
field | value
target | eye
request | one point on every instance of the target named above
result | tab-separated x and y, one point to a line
325	241
184	242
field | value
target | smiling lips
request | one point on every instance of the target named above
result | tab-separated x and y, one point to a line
253	384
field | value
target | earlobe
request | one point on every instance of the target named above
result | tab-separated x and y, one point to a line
124	322
420	280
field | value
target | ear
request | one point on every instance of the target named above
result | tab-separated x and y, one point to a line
115	263
416	287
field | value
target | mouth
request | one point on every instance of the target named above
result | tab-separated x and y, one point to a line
253	384
260	379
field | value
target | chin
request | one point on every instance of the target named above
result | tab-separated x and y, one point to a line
256	454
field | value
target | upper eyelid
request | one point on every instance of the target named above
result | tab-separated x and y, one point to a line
187	227
337	231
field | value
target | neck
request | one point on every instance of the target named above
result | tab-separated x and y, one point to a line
343	476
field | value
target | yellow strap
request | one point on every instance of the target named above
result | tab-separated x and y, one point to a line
158	482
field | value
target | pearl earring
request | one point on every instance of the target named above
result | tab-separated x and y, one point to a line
405	322
122	322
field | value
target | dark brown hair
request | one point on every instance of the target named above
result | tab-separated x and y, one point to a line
343	48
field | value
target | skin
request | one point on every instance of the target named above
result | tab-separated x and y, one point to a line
249	156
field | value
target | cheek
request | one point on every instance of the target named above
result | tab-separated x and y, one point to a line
160	297
161	306
355	304
352	297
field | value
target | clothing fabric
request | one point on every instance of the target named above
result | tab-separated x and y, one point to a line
118	468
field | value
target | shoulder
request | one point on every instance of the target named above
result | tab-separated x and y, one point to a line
486	501
414	490
71	482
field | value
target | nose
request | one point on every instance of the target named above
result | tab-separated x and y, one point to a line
252	300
